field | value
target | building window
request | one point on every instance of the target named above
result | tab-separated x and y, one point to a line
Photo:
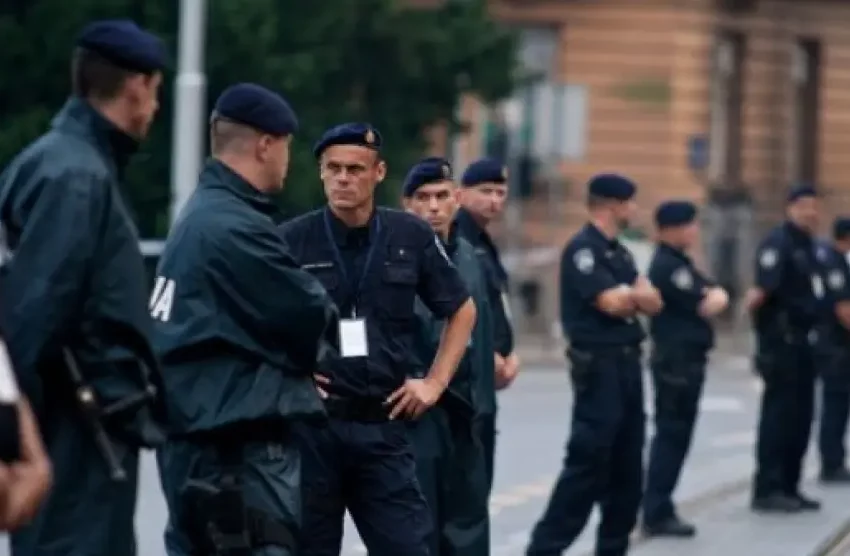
725	113
806	75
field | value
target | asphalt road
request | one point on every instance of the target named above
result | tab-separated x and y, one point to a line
534	421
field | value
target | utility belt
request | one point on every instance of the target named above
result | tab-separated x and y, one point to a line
97	416
582	357
357	409
216	517
678	373
785	329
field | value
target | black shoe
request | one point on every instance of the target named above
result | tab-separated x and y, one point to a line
776	503
806	503
670	527
840	475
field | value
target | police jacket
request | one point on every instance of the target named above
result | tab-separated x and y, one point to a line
238	327
590	264
74	276
473	385
682	288
497	279
374	273
791	276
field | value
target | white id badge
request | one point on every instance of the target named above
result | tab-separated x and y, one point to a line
8	385
352	338
817	286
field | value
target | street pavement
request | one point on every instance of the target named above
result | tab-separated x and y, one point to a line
533	423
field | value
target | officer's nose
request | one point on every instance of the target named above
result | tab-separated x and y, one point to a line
433	206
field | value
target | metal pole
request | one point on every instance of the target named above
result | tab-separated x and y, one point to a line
189	105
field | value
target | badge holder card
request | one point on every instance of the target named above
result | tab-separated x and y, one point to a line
10	441
352	338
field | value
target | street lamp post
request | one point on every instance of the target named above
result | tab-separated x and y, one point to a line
189	106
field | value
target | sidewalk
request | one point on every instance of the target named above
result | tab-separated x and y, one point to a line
729	527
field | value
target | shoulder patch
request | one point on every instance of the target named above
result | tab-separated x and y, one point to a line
683	279
769	257
584	261
835	280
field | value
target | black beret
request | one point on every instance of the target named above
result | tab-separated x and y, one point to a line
428	170
352	133
800	192
841	228
125	44
611	186
675	213
485	170
257	107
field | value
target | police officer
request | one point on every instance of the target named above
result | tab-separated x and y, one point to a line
373	262
482	198
835	372
449	455
238	331
786	307
682	335
75	295
601	296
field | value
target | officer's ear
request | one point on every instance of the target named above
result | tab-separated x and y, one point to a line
380	170
264	147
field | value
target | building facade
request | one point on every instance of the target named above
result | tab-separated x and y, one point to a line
693	98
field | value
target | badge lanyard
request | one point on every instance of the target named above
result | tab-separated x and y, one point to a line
374	232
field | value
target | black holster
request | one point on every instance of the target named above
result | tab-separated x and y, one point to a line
581	368
220	524
676	373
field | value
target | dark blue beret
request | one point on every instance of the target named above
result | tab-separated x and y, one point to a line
841	228
675	213
800	192
125	44
485	170
611	186
428	170
257	107
352	133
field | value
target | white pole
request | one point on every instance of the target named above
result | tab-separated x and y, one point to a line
189	106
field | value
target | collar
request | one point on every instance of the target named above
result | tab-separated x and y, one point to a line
467	223
345	236
451	243
596	235
218	174
796	233
674	251
78	117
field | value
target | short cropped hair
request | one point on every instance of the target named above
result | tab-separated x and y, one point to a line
93	76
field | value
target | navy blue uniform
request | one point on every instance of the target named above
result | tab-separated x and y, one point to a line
238	360
605	450
497	286
835	372
76	281
681	341
788	337
361	461
449	456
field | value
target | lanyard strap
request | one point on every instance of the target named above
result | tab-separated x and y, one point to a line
374	231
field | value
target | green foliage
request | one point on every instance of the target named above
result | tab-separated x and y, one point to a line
335	60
